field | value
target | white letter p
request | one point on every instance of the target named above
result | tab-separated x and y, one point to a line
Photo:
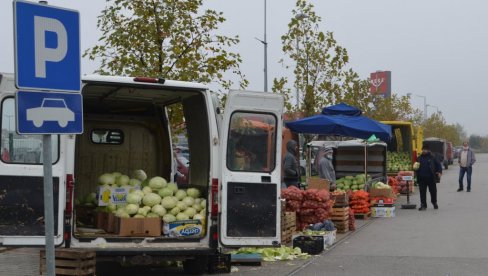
43	54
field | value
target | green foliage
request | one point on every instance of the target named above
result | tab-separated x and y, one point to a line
319	64
394	108
173	39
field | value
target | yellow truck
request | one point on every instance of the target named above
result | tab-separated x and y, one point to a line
404	147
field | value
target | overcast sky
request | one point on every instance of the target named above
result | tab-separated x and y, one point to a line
436	48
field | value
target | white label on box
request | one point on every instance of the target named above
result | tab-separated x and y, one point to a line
183	228
407	178
114	195
383	212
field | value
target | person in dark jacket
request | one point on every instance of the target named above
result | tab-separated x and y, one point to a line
429	167
290	165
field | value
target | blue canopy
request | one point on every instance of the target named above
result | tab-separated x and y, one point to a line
343	120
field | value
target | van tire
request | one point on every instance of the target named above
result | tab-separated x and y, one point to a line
198	265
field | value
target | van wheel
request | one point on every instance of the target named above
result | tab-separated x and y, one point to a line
198	265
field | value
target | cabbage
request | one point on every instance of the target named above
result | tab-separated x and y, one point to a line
157	183
142	211
158	209
139	174
121	213
164	192
175	211
182	216
173	187
123	180
131	209
116	175
106	179
195	193
168	203
180	194
197	207
121	206
190	212
134	198
151	199
134	182
146	190
198	200
182	205
198	216
139	216
138	192
91	198
189	201
111	207
203	203
169	218
148	208
203	212
152	215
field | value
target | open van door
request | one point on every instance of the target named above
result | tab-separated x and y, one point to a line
251	169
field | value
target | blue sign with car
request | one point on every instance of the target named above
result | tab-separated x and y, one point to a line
47	47
49	113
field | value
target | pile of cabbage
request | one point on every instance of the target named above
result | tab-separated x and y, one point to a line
161	199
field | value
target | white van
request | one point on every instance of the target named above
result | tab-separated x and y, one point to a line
242	191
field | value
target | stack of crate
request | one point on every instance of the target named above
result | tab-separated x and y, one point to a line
340	218
70	262
288	226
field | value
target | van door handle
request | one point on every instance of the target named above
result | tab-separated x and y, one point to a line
266	178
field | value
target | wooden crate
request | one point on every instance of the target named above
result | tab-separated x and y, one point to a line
70	262
340	214
339	224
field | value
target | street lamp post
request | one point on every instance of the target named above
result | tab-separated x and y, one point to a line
265	44
299	16
425	106
436	108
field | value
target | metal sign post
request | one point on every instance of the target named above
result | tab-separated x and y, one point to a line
47	59
48	203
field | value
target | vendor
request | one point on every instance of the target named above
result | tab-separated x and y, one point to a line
323	163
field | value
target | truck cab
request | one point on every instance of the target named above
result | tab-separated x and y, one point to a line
129	124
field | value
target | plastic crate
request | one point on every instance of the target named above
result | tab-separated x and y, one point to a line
312	245
219	263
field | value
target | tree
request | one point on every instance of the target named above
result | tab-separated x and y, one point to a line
319	60
394	108
172	39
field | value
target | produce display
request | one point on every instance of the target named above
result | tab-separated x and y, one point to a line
353	183
359	202
402	184
393	182
312	206
157	198
398	161
283	253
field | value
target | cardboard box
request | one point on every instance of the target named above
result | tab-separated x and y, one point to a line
387	193
139	227
383	212
106	221
318	183
184	228
382	202
114	195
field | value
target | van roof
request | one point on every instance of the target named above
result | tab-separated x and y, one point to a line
130	80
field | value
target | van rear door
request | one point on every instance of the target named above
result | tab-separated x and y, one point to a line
251	169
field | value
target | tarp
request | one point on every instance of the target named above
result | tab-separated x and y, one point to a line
342	120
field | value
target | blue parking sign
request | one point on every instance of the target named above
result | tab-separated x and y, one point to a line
47	47
49	113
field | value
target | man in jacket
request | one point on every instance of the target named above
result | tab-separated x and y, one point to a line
466	160
429	167
290	165
325	167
